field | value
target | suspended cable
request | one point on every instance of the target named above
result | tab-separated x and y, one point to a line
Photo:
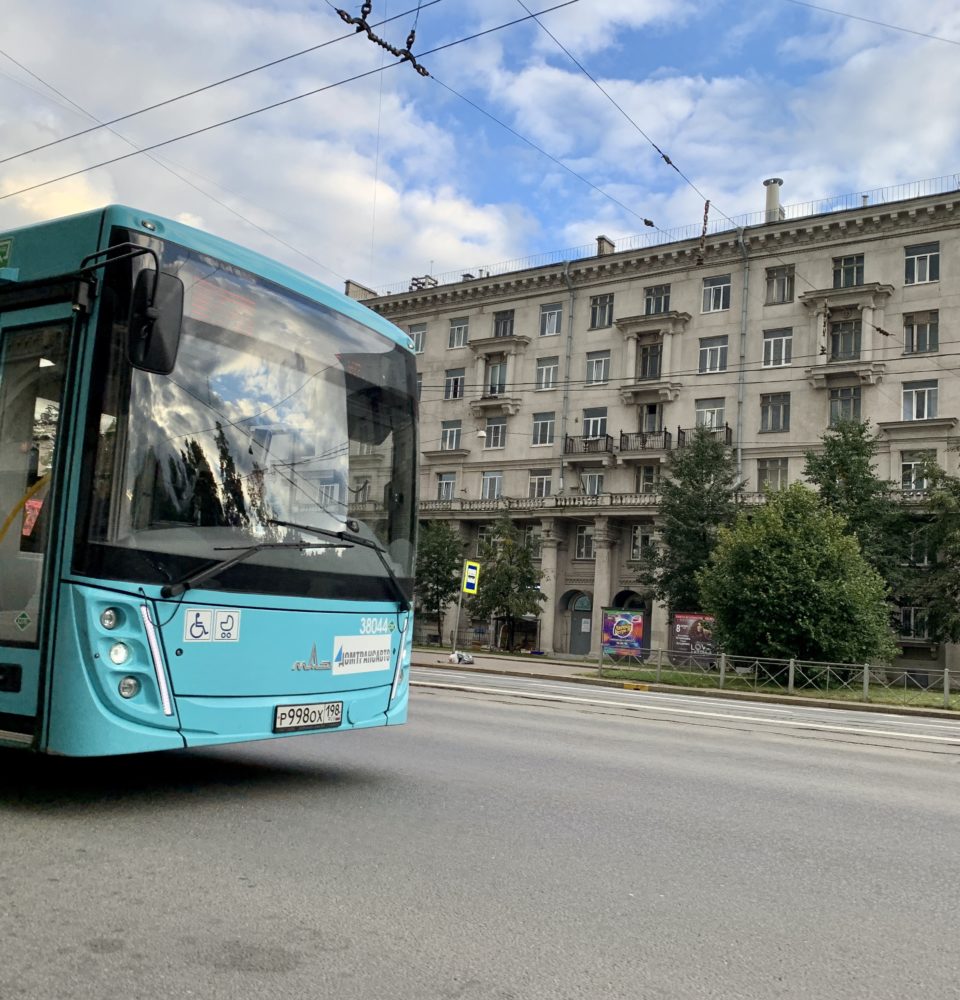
189	93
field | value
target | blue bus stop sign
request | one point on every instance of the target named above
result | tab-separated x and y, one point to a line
471	576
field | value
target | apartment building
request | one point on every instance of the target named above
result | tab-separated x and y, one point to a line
554	393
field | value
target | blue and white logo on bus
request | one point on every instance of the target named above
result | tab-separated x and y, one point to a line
361	654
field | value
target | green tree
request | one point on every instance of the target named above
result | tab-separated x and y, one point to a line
509	585
439	561
936	555
697	496
846	477
789	580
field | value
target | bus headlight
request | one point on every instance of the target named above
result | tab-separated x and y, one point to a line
119	654
129	687
109	618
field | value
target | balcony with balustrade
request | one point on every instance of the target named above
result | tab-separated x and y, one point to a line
598	450
640	445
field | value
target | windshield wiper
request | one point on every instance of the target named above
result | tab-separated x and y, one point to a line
191	580
349	538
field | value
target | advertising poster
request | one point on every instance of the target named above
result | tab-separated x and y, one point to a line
693	634
622	632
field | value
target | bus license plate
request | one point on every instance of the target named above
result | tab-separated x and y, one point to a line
322	715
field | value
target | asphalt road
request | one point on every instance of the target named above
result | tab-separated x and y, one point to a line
500	846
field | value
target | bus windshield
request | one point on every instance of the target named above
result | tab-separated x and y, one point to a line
280	414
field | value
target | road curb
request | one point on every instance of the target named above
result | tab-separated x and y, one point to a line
745	696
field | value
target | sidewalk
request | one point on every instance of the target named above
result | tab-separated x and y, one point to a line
583	672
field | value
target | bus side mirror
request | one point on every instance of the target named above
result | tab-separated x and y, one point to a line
156	316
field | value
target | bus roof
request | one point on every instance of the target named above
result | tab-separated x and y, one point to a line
231	253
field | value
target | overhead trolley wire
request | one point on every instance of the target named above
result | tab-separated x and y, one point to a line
189	93
318	90
170	169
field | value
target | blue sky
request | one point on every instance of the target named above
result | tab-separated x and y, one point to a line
394	175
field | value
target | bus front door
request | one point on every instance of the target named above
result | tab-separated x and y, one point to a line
33	357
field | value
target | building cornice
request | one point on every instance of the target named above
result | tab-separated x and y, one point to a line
769	240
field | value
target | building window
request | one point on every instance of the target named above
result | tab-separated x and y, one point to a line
496	433
459	331
641	542
417	334
547	372
446	484
496	381
543	424
592	483
598	367
716	293
533	537
541	483
921	332
584	541
913	623
913	466
919	400
503	323
551	319
845	340
713	354
848	271
656	300
710	412
779	285
491	485
648	362
601	311
922	263
450	435
651	418
772	473
775	412
777	348
648	478
595	422
453	384
485	538
844	404
419	385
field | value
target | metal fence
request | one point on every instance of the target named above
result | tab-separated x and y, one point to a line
914	684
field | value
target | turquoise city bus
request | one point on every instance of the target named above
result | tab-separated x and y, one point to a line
207	494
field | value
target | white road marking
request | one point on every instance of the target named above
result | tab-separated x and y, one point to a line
638	706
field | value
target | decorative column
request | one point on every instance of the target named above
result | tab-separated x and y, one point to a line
630	375
602	545
659	625
480	368
549	541
867	341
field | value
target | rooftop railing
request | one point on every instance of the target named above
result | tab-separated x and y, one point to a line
643	241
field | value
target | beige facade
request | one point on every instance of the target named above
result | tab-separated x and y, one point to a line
583	375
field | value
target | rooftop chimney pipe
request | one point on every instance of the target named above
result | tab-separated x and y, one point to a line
773	211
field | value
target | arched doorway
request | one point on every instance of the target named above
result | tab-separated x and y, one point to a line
581	613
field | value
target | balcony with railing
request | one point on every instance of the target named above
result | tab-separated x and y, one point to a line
495	399
722	434
640	443
588	449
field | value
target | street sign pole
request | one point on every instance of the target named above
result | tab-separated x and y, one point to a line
468	585
456	631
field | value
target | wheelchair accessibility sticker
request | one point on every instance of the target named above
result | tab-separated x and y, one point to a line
206	625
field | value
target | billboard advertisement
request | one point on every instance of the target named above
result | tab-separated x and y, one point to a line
622	632
693	634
